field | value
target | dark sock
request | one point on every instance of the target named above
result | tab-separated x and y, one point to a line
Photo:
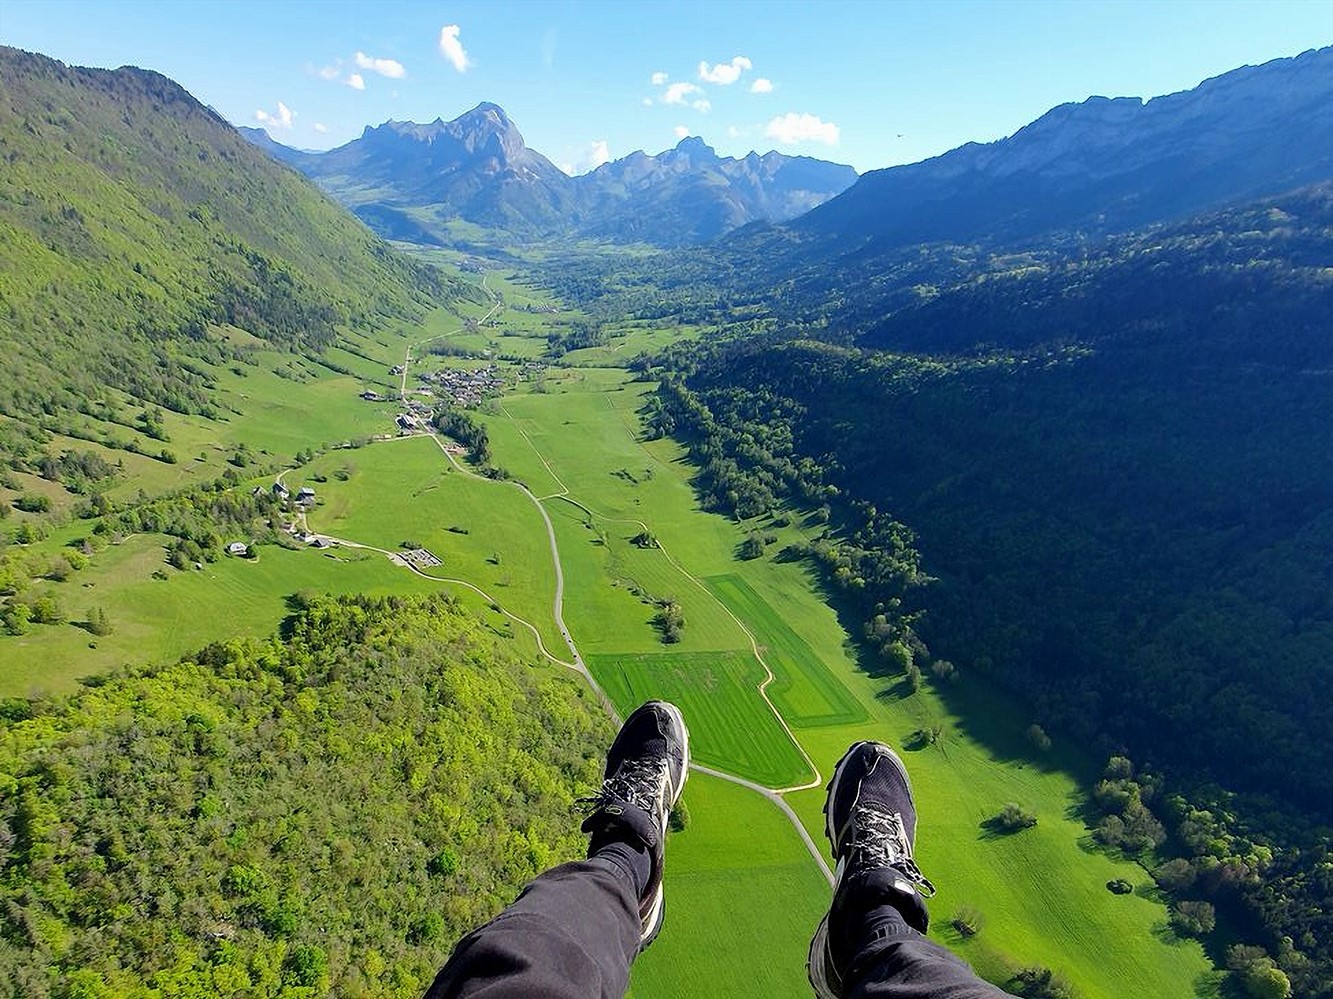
869	909
620	846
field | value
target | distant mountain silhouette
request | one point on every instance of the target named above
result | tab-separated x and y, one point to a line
689	194
1105	165
409	181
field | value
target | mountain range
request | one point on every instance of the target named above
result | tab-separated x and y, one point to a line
1105	165
409	181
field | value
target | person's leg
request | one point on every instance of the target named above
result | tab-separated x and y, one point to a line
872	943
574	931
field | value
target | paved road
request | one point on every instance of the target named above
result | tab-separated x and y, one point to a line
777	799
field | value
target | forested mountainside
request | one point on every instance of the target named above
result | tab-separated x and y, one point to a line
321	814
410	181
1117	470
133	219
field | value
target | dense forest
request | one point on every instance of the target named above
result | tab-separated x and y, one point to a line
134	221
320	814
1104	481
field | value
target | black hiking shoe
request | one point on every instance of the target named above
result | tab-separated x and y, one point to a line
871	825
646	768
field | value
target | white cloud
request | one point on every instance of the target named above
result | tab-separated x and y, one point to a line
282	118
763	85
659	78
724	73
320	127
391	68
702	105
677	92
330	72
791	128
356	81
647	102
681	131
452	48
733	132
598	153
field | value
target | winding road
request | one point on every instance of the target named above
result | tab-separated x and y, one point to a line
576	662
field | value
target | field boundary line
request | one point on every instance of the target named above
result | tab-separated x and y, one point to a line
672	561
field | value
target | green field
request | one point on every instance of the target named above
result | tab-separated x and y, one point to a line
488	533
159	620
804	689
742	900
731	728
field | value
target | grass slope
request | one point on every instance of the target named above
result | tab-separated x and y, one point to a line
133	219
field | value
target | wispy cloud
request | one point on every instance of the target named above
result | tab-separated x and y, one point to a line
702	105
761	85
451	47
678	92
659	78
724	73
681	131
598	153
321	128
549	43
356	81
282	118
391	68
647	102
330	72
792	128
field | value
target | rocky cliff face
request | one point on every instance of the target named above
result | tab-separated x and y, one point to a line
1108	165
408	180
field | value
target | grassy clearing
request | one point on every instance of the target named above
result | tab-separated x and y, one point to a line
405	490
743	899
1042	892
730	726
156	620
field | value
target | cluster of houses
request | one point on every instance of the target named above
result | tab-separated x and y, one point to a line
466	386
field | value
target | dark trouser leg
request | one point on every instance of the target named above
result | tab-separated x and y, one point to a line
571	934
883	945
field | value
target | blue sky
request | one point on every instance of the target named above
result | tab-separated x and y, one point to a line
872	82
